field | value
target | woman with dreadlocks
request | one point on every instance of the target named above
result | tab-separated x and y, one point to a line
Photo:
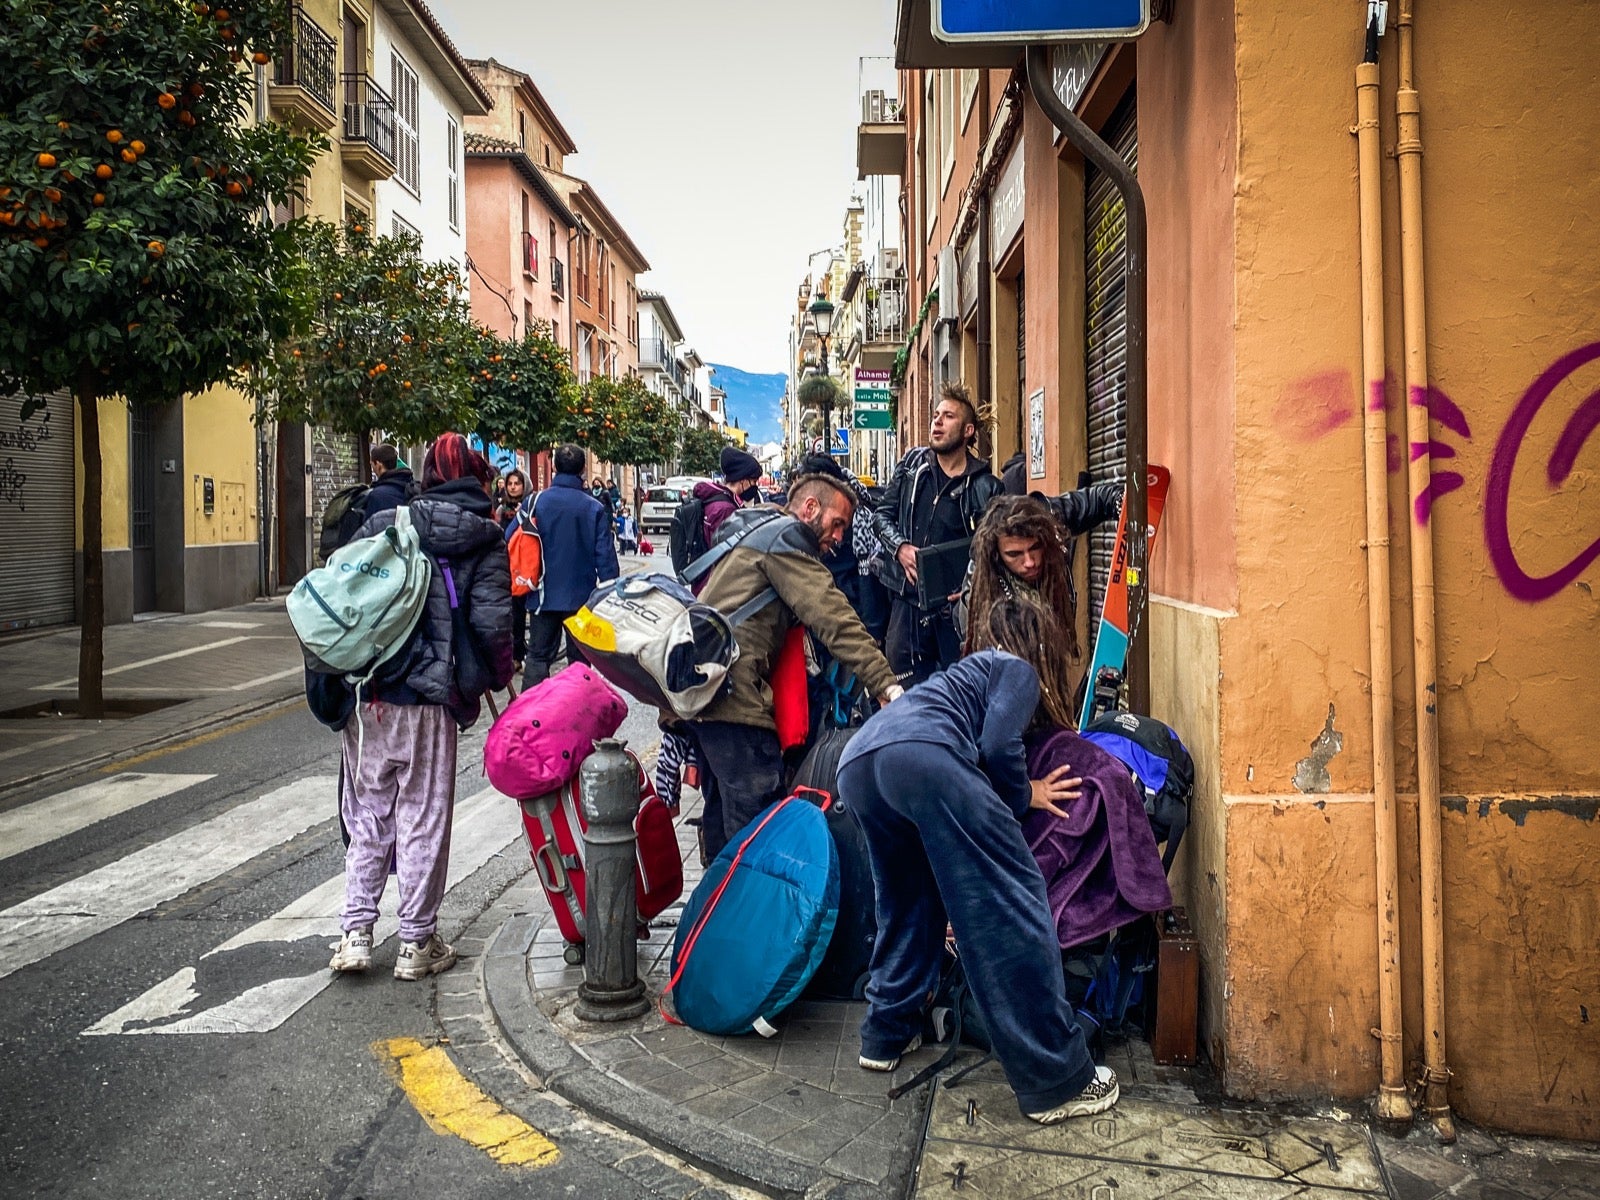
1018	551
939	783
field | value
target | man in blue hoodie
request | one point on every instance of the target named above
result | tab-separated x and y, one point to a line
579	553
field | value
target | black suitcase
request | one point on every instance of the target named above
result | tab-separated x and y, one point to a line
843	973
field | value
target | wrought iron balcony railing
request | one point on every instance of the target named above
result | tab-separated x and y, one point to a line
369	116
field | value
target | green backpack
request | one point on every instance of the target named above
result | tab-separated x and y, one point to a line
356	612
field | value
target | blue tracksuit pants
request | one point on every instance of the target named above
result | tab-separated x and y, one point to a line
941	841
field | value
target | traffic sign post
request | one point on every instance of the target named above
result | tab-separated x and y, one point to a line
1038	22
872	417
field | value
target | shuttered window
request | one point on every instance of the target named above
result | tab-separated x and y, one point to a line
37	502
1105	338
452	133
406	92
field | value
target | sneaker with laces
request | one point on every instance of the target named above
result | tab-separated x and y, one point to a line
889	1064
1100	1094
354	951
418	960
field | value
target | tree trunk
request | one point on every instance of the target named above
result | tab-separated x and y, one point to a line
92	620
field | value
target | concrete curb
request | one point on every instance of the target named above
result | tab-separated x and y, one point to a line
689	1136
201	724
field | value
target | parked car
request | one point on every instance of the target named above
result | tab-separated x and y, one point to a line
660	504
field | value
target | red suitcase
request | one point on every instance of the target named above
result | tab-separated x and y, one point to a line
554	824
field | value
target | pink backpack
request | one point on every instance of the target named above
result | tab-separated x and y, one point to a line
545	734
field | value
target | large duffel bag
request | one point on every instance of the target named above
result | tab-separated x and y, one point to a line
544	735
842	974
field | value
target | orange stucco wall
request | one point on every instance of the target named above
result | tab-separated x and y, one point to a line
494	242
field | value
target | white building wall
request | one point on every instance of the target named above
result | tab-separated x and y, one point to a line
428	209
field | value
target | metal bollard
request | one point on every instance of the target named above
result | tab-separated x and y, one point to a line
611	989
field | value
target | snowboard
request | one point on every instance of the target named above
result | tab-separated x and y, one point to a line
1116	620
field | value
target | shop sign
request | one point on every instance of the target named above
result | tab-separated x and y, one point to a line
1071	68
1005	210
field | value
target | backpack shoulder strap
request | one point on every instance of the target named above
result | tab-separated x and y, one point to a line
721	550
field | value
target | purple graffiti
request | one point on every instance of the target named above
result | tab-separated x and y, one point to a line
1440	483
1441	409
1439	486
1377	400
1432	449
1497	494
1312	407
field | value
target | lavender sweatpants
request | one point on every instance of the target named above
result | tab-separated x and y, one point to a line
399	790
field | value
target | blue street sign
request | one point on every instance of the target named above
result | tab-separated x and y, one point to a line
1039	20
841	441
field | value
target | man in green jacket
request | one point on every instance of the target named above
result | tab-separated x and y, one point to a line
781	550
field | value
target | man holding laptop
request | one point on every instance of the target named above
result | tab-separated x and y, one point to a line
925	521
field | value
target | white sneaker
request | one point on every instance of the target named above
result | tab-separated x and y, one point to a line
889	1064
1100	1094
354	951
418	960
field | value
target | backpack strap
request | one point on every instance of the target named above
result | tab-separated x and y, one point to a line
717	553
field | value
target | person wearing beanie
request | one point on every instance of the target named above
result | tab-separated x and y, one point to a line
740	471
399	770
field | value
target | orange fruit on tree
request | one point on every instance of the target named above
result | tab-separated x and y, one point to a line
99	199
42	242
186	119
166	100
64	126
53	195
235	188
406	383
295	353
128	156
136	146
47	160
69	177
382	367
226	34
196	90
5	218
223	14
261	56
103	171
406	338
156	249
113	136
201	10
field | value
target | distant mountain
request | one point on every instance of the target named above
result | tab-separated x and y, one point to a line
756	401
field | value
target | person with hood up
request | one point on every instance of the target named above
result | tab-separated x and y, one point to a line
740	472
400	751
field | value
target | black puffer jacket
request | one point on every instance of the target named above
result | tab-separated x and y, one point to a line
452	658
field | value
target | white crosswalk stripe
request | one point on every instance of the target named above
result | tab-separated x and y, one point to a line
102	899
67	812
484	825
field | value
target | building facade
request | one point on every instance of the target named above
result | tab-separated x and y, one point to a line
1264	616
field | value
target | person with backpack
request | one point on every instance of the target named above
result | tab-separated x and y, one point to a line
697	520
513	494
778	550
400	749
579	552
939	783
393	485
511	506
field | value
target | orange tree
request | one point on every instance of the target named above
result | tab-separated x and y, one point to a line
702	451
647	429
389	344
522	388
135	257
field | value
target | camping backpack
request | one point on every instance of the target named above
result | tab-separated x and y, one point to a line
686	539
542	738
526	550
356	611
649	636
1161	765
758	924
346	513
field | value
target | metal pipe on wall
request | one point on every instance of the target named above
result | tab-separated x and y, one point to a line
1393	1106
1094	148
1408	148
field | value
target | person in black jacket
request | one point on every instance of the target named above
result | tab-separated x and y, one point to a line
393	486
937	494
400	751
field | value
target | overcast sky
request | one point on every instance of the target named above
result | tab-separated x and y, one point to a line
720	132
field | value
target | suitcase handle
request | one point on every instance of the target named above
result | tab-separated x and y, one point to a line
822	799
551	870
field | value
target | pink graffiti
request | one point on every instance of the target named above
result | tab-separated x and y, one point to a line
1440	483
1377	397
1497	494
1432	449
1441	409
1314	406
1391	445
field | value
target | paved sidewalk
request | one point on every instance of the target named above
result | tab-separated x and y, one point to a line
218	667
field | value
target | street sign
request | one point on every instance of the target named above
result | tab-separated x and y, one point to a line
872	376
1035	21
873	395
872	418
841	441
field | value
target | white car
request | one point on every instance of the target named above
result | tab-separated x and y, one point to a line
661	505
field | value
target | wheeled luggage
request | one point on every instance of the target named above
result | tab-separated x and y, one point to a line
554	825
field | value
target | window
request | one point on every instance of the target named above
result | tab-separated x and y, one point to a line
452	181
530	255
947	127
527	316
969	93
405	90
522	129
930	157
400	227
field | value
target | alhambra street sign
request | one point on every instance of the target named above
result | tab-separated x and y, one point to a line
1036	21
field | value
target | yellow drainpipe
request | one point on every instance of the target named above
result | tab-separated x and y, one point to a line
1393	1105
1435	1073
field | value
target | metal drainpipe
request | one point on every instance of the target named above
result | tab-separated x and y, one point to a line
1436	1072
985	313
1094	148
1393	1105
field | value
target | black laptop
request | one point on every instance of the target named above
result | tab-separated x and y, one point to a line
941	570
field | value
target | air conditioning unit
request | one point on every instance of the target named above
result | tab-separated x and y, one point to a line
949	286
891	260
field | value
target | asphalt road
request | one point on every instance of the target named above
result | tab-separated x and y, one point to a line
168	1026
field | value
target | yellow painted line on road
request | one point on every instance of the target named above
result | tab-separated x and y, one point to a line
452	1104
200	739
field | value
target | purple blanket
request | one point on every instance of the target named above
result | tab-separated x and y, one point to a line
1101	866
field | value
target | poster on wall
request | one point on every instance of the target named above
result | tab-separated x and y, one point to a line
1036	435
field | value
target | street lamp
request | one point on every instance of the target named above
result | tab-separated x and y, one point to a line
821	311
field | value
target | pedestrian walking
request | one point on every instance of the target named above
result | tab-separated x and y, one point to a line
936	497
579	552
939	783
392	484
400	750
514	498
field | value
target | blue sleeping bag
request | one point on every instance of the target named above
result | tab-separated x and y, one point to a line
758	924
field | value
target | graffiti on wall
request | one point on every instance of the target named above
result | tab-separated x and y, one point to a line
25	438
1318	404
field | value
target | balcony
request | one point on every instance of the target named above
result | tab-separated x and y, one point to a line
878	312
655	352
304	77
368	145
881	137
558	278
